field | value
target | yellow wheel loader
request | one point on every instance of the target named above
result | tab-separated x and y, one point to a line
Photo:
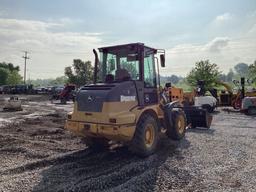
125	103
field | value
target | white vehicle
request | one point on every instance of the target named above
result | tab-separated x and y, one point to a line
206	102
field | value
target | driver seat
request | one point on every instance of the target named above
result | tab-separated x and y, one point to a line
122	75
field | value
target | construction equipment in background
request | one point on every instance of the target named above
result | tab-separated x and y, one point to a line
68	93
196	97
245	101
125	103
230	98
12	104
174	93
208	102
226	95
189	97
177	94
249	105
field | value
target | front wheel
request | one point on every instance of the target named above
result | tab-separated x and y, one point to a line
145	139
176	131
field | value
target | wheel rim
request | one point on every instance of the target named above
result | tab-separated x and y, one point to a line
181	124
149	135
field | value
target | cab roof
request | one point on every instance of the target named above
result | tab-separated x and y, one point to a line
116	47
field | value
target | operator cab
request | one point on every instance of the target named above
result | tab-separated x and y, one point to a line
126	62
130	62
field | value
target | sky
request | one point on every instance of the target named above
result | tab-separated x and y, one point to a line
56	32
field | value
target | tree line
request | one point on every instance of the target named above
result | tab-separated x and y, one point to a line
9	74
81	73
210	73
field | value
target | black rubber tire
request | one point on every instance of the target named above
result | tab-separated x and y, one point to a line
96	144
209	108
208	120
173	131
138	145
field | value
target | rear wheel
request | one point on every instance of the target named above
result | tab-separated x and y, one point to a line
177	130
145	139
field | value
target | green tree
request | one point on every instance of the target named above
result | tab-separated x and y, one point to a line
223	77
59	81
252	71
241	69
204	70
230	76
14	78
9	74
173	79
3	76
49	82
80	73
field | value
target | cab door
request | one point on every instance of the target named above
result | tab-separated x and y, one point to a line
150	80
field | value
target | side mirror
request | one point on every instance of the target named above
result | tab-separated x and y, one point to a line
162	60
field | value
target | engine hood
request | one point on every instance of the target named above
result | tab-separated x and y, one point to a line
90	98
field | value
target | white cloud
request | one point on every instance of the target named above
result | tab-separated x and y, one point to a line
223	18
26	25
224	51
217	44
50	51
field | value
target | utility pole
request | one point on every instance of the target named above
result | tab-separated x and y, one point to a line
25	66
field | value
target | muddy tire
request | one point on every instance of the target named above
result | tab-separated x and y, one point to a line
145	139
178	129
96	144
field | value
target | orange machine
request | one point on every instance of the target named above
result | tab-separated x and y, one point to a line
176	94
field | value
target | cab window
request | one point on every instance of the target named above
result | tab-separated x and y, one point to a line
149	71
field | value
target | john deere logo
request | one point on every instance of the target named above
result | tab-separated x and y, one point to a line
89	99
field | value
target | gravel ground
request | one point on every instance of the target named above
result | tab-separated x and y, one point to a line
36	154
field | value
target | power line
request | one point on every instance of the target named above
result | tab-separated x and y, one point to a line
25	66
